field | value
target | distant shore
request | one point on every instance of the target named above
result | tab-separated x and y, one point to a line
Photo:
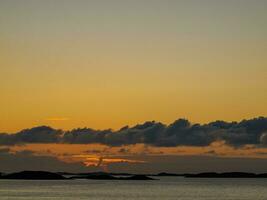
44	175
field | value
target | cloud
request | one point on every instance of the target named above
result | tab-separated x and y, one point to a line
27	160
41	134
263	139
138	163
179	133
189	164
4	150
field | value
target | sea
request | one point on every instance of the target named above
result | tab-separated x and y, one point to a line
166	188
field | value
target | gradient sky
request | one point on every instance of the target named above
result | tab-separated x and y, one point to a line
105	64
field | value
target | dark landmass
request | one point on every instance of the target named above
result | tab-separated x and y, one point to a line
226	175
168	174
95	173
125	176
43	175
33	175
111	177
96	177
66	173
122	174
117	174
138	177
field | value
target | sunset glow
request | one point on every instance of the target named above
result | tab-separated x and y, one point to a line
125	85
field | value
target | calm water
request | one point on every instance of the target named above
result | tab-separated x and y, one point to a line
166	188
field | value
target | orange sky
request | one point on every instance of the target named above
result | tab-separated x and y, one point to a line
98	65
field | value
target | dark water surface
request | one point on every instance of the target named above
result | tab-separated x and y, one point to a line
165	188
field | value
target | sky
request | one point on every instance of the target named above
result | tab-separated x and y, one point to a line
106	64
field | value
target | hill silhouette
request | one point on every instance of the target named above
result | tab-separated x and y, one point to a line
44	175
226	175
33	175
105	176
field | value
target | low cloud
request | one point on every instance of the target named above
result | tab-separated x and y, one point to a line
263	138
179	133
41	134
190	164
28	160
138	163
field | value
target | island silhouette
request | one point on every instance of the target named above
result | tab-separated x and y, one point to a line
33	175
45	175
226	175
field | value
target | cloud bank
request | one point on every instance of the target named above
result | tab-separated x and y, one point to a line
28	160
180	133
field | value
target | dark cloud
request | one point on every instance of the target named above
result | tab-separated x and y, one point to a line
188	164
27	160
179	133
41	134
263	139
4	150
123	150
